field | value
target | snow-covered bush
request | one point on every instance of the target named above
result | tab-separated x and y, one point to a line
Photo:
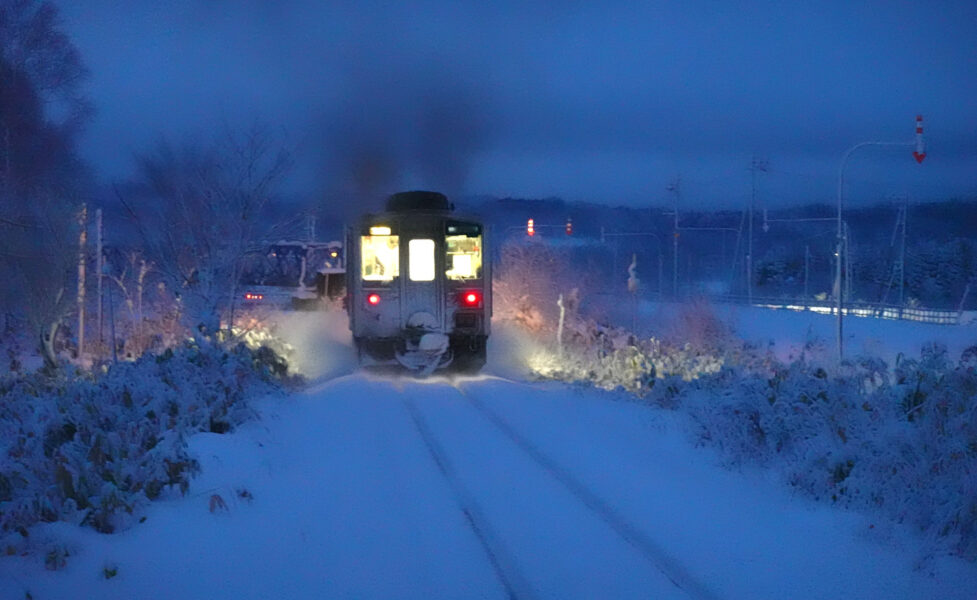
901	441
531	275
695	323
610	357
93	449
907	448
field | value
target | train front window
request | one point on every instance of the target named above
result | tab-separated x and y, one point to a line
421	257
380	257
464	256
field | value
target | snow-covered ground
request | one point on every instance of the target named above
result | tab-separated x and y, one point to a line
370	485
862	336
786	332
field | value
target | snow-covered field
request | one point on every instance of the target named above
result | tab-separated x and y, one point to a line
372	485
789	330
786	332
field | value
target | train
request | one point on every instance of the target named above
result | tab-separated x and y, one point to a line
298	275
419	285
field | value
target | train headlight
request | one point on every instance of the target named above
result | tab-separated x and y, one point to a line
373	299
471	299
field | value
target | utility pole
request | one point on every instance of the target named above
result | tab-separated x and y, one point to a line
899	255
807	263
633	289
847	255
755	165
676	188
82	241
661	276
99	267
310	227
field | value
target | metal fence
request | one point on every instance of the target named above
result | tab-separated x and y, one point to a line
864	309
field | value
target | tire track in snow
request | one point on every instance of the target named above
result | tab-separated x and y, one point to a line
515	585
650	550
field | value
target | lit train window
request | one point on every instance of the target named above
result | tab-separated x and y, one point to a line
380	257
464	256
421	260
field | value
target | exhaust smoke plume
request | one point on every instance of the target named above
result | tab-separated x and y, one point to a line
404	127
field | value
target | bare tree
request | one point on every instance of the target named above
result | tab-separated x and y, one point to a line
32	43
197	211
41	110
131	281
38	258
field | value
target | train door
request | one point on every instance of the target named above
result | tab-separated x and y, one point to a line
421	306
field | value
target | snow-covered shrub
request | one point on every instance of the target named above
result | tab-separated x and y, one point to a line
901	441
611	357
696	324
531	275
93	449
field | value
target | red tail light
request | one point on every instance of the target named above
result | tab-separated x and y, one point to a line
373	299
471	299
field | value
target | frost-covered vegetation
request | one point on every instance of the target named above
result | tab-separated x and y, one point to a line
900	439
897	440
95	448
98	387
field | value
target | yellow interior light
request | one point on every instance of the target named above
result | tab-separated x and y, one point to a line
380	230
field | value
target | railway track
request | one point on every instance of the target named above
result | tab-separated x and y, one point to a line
514	577
503	564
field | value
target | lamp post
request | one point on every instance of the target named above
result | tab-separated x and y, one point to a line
919	154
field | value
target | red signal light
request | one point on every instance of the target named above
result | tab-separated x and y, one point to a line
373	299
250	296
471	299
531	227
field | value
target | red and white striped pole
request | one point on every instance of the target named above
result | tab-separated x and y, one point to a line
920	152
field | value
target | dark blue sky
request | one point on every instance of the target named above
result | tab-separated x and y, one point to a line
603	101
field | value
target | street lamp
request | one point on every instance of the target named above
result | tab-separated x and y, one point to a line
919	154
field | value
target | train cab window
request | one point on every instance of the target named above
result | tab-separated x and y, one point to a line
464	256
380	257
420	256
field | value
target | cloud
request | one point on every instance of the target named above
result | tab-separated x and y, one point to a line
568	98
